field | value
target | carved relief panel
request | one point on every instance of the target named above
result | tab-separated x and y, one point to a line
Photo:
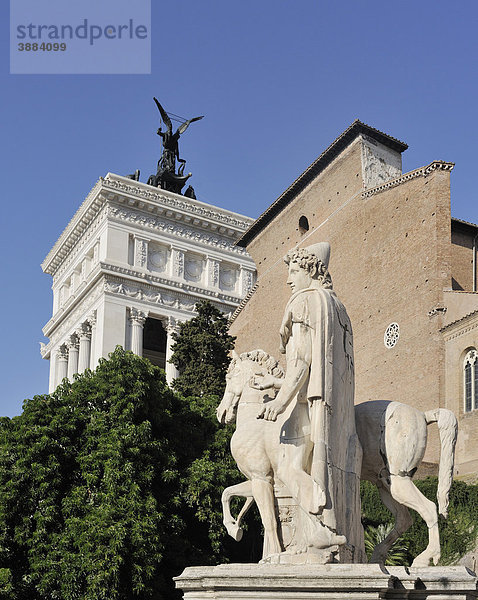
228	277
158	258
193	267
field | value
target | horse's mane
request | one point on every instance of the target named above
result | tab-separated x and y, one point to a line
263	359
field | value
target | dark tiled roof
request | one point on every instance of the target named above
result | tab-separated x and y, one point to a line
461	222
316	167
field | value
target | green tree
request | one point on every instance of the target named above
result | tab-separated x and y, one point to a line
91	481
201	352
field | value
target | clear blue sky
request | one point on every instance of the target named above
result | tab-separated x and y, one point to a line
276	80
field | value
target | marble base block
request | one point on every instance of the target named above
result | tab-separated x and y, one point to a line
327	582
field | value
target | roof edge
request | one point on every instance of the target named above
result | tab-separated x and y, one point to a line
328	155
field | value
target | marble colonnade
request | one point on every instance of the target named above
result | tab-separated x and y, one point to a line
77	352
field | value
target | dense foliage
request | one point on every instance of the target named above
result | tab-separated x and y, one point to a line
398	553
458	533
97	496
201	352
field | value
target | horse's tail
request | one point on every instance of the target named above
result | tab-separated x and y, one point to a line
448	430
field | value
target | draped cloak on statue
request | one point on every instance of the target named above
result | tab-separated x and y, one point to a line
328	391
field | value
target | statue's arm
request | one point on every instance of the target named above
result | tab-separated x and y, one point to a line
298	365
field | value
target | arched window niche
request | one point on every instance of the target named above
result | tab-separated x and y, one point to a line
470	380
303	224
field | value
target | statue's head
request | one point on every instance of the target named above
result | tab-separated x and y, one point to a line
308	267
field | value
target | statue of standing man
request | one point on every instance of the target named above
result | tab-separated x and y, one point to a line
319	452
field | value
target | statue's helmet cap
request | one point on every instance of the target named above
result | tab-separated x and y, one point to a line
321	251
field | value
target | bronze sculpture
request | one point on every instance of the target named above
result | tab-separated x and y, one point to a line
166	176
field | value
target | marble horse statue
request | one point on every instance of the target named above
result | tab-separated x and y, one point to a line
393	437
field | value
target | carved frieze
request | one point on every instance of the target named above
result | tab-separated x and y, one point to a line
186	206
144	294
151	222
156	279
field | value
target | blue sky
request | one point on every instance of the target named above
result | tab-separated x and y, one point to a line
276	80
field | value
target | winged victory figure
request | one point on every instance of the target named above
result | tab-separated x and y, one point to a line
166	176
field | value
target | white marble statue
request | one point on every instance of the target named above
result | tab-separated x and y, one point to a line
301	456
307	433
394	437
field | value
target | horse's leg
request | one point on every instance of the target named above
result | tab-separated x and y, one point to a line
232	525
403	521
263	492
405	492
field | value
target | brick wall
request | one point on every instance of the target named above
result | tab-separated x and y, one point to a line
390	262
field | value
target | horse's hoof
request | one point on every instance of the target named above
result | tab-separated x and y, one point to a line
423	559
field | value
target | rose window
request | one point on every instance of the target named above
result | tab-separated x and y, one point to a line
392	333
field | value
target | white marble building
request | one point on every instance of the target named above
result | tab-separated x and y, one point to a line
130	265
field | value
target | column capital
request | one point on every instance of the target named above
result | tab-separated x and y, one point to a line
62	352
73	341
138	316
91	320
84	331
170	324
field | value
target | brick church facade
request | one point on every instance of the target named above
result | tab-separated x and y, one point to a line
404	268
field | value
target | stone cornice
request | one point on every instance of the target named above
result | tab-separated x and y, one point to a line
436	165
173	230
114	190
460	326
180	206
133	276
75	229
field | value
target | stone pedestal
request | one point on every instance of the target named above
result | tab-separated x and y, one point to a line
327	582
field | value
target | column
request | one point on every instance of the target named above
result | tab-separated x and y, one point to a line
140	251
73	350
212	272
92	323
171	326
84	335
61	364
137	319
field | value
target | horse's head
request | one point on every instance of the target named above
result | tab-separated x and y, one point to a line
236	379
241	377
